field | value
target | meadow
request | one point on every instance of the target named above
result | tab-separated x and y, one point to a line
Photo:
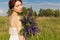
49	28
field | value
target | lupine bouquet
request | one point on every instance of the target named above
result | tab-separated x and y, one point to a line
29	25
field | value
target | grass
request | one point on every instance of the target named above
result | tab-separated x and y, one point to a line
49	28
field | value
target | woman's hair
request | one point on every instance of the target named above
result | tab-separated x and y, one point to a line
12	3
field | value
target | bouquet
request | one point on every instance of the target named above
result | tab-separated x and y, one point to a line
29	25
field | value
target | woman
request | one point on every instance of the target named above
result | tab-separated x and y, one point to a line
14	20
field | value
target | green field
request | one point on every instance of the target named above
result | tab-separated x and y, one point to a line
49	28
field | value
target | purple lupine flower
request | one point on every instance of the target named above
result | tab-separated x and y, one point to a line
32	28
30	12
24	20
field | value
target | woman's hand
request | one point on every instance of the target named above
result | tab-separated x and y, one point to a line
21	37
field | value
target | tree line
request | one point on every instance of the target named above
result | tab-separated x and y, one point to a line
49	12
41	13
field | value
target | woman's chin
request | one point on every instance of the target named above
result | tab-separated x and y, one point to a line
19	11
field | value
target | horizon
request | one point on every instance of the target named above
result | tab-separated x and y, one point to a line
36	5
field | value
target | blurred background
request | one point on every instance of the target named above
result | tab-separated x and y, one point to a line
47	13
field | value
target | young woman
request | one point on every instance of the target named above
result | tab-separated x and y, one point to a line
14	20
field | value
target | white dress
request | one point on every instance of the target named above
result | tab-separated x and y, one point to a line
13	33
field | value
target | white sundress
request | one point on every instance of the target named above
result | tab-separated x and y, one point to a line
13	33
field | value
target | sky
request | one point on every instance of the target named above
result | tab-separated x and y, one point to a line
36	5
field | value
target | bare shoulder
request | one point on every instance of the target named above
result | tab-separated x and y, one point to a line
12	21
12	17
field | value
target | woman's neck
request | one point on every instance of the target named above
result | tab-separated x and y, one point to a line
14	13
